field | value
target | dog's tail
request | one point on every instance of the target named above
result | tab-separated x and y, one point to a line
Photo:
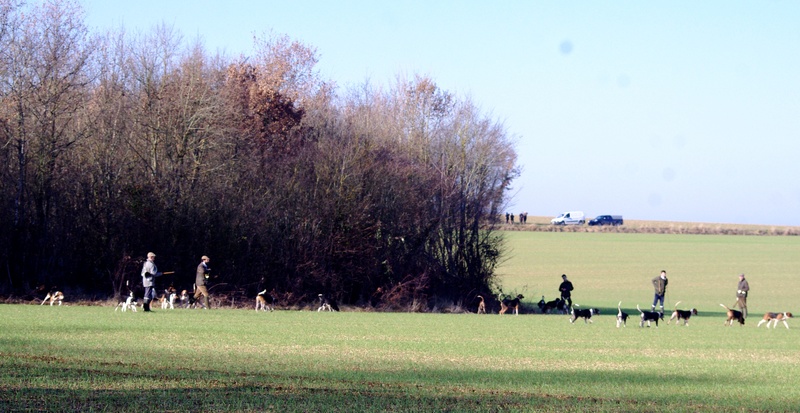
725	307
676	306
640	310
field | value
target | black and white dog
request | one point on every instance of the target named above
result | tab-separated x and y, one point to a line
129	303
684	315
327	303
649	316
733	315
586	314
511	304
622	317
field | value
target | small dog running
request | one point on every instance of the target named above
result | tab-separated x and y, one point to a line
585	314
648	316
775	318
53	297
684	315
622	317
507	303
733	315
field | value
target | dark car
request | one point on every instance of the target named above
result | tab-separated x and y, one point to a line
607	220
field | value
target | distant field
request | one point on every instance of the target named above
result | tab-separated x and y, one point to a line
610	267
662	227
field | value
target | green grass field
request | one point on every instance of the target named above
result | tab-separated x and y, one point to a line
89	358
607	268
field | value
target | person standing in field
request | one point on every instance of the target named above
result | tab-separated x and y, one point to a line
741	295
149	274
660	286
200	280
566	291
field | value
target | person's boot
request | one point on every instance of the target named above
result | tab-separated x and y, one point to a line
146	306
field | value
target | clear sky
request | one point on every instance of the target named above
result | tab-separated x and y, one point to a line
674	111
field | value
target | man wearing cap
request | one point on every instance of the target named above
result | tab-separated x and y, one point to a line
741	295
200	281
149	273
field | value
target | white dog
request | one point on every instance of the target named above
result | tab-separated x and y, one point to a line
168	299
128	303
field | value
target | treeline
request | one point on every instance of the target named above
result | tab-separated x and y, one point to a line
117	144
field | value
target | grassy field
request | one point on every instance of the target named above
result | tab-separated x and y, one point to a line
80	358
609	267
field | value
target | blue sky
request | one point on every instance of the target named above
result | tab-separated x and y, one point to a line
674	111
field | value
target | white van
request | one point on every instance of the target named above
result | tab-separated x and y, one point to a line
569	218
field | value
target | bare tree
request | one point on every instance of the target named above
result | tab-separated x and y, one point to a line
45	59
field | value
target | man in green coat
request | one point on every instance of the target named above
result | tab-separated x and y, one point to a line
660	285
200	280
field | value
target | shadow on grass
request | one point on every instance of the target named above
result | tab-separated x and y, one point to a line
54	388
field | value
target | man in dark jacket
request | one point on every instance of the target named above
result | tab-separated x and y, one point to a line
566	291
200	280
660	286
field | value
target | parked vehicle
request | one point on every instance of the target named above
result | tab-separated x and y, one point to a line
607	220
569	218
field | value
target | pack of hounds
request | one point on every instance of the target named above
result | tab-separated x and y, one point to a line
266	302
168	300
559	306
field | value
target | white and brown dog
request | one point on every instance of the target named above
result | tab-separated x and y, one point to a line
775	318
733	315
184	299
513	303
265	301
684	315
622	317
168	299
648	316
585	314
53	297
